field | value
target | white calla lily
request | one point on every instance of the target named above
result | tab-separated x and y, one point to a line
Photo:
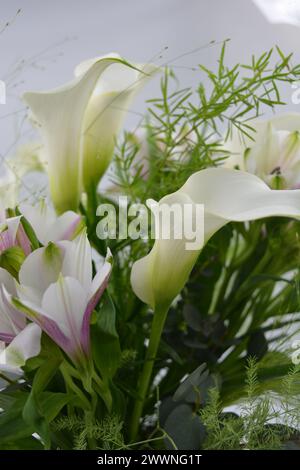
227	195
70	118
58	293
105	113
273	155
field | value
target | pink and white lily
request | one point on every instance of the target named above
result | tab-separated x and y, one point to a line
20	341
56	290
47	226
25	345
12	234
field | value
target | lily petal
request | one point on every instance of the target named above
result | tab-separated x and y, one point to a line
105	113
65	302
25	345
42	267
227	195
77	261
48	227
60	114
11	321
99	285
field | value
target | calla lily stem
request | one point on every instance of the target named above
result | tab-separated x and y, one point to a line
159	319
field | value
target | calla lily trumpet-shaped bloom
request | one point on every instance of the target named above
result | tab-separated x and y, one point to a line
57	292
49	227
25	345
105	113
273	155
227	195
13	234
78	127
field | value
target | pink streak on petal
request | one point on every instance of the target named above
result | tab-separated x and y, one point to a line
23	240
67	235
6	241
6	337
52	329
85	329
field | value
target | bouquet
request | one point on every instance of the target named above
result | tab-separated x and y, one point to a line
150	300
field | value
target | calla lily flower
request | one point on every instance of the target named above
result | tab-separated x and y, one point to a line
25	345
78	126
49	227
105	113
227	195
57	292
273	155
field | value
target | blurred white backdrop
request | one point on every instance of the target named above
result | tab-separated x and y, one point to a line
45	41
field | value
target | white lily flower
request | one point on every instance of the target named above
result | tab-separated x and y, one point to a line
49	227
58	293
12	234
78	127
25	345
12	322
273	155
227	195
23	340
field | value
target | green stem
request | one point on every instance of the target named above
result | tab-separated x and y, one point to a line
159	319
89	421
92	204
68	380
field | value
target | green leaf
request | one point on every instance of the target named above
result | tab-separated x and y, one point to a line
105	340
45	373
34	413
33	416
190	389
30	233
52	403
185	429
12	259
12	424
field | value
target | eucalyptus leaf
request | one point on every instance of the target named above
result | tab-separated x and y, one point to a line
184	428
190	389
